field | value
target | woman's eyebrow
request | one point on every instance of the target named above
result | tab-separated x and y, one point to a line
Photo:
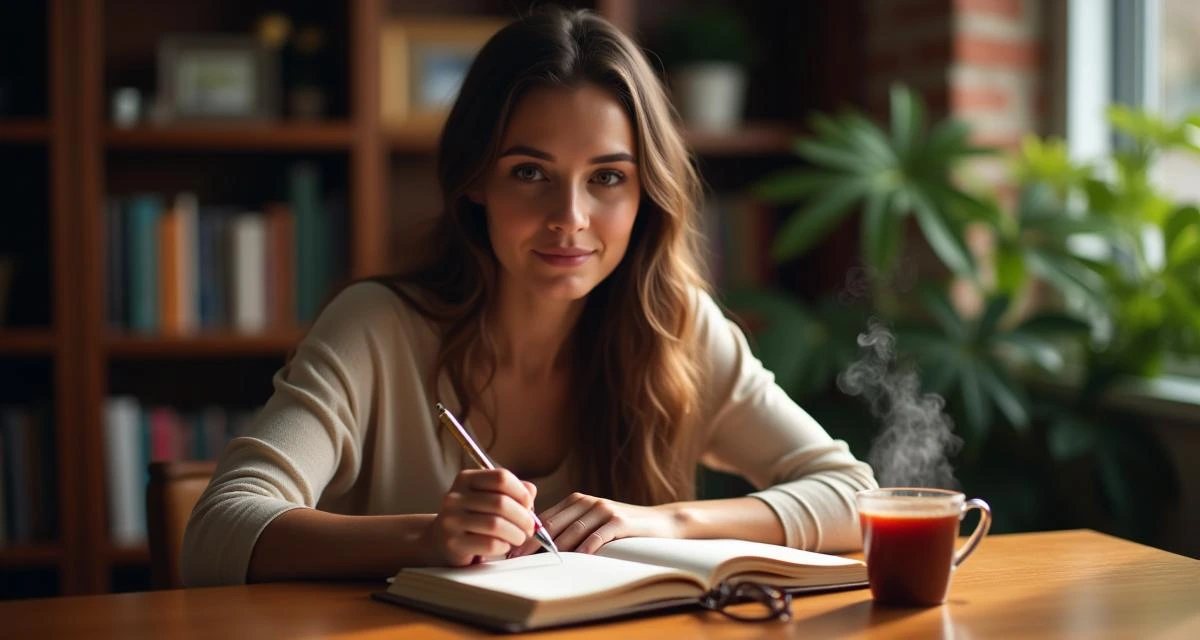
526	150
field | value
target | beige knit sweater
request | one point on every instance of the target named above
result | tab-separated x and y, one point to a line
350	430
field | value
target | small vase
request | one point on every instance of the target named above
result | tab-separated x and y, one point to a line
710	95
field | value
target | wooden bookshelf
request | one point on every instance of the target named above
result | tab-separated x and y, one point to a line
418	140
285	137
27	341
31	556
203	344
24	130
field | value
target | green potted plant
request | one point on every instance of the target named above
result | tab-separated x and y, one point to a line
707	51
1120	311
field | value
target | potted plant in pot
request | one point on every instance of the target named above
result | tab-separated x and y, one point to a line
707	52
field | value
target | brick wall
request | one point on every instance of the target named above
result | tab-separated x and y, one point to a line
979	60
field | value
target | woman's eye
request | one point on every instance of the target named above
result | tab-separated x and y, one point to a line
609	178
527	173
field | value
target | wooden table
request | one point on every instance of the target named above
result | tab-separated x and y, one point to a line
1042	585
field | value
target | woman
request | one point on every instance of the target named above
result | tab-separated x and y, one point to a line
562	317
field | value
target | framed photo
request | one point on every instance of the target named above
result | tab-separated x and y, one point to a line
217	77
423	62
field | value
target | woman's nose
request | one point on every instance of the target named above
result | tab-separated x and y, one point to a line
569	215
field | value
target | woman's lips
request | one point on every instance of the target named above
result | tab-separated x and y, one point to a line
565	257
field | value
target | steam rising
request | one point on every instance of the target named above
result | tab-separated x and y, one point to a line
914	447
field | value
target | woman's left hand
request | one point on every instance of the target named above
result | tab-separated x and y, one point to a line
584	523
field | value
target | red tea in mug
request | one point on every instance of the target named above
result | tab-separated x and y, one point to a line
909	536
908	557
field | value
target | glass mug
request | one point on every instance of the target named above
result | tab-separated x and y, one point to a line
908	541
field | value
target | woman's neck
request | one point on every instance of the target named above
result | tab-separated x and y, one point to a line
530	333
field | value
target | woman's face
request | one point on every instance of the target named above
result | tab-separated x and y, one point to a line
562	197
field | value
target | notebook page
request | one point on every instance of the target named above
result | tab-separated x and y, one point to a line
704	557
541	577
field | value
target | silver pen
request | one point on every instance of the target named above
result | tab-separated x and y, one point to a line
464	439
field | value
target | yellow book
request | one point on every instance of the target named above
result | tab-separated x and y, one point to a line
625	577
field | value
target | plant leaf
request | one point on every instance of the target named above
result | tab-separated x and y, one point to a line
829	127
907	119
1036	203
1038	350
976	409
1054	324
810	223
1004	392
1180	219
1011	275
943	312
794	184
821	153
947	244
990	317
1067	276
948	137
871	139
880	232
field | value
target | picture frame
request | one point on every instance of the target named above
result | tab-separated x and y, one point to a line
212	77
423	62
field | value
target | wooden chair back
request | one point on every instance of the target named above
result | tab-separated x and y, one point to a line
172	493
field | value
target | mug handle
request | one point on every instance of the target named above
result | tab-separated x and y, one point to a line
981	529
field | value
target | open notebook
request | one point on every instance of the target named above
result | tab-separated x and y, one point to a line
626	576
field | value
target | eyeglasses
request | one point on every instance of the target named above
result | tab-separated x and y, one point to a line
776	604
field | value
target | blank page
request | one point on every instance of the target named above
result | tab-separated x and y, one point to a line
703	557
541	577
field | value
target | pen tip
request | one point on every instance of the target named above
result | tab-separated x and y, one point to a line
439	406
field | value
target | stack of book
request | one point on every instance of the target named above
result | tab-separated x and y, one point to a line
136	435
178	267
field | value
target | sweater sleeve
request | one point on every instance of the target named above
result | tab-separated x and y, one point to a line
305	442
807	478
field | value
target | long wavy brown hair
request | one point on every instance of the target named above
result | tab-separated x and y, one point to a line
634	367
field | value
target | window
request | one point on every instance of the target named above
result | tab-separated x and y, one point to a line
1141	53
1178	88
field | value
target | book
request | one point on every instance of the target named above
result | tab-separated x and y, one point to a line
627	576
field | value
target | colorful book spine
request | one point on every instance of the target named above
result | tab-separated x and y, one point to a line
144	213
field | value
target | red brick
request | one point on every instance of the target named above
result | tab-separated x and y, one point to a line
964	99
990	52
1003	8
1007	142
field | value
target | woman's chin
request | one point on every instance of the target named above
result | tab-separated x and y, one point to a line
564	288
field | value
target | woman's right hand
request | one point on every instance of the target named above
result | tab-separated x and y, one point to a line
485	513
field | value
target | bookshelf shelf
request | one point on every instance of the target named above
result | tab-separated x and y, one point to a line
31	556
203	344
25	130
26	341
414	139
129	555
755	138
281	137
